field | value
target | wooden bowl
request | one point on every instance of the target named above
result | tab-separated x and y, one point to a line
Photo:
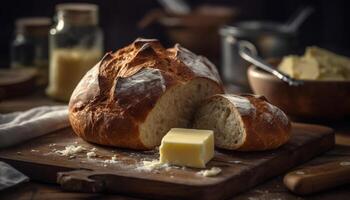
314	100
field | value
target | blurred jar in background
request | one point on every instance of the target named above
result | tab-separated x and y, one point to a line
30	46
76	45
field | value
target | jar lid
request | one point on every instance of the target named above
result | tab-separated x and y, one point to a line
77	7
33	25
78	13
254	28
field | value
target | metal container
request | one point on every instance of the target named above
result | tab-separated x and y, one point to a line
267	39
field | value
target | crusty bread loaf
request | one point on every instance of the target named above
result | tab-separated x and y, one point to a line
132	97
244	123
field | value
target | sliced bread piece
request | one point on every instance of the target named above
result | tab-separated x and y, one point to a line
244	123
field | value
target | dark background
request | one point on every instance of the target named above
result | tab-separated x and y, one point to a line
328	27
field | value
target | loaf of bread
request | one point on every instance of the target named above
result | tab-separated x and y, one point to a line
134	96
243	123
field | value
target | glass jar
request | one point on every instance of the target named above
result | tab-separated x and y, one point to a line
76	45
30	46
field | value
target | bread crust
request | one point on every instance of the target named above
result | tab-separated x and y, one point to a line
114	98
265	125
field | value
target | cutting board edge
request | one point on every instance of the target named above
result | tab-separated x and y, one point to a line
329	143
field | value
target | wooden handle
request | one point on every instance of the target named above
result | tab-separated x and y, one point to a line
316	178
80	181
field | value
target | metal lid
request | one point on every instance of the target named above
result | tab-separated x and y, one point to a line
254	28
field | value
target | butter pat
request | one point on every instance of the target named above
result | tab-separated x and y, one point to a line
187	147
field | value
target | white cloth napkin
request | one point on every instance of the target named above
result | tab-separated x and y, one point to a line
9	176
18	127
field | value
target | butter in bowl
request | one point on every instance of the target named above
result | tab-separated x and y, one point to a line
325	91
316	64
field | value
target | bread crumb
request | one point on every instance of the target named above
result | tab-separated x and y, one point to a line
70	150
94	149
91	154
236	161
299	172
34	150
152	165
167	169
345	163
52	145
113	160
210	172
110	161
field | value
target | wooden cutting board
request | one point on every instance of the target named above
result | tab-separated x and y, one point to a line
240	171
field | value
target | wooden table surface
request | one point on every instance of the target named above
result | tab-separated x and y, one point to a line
272	189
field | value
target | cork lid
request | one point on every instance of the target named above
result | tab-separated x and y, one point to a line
78	13
33	25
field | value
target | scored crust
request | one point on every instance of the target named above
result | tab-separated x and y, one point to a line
266	127
257	124
115	97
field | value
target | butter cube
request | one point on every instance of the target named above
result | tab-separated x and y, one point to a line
187	147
